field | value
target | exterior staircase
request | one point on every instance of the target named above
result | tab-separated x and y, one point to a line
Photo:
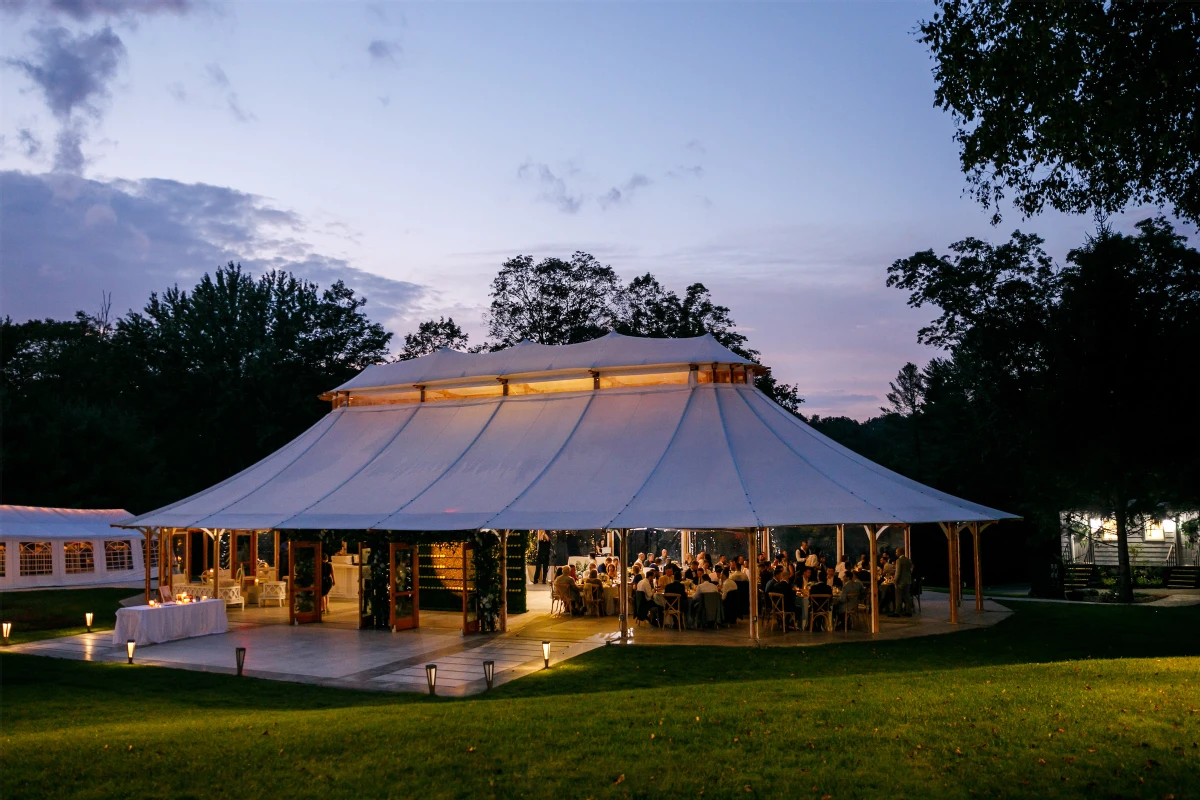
1080	576
1184	578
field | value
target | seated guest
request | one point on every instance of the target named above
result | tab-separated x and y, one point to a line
852	589
641	560
674	584
832	579
818	588
647	584
805	580
738	573
706	586
727	583
593	578
565	585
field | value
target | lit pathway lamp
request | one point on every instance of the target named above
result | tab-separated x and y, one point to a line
130	646
489	672
88	617
7	628
546	654
240	654
431	677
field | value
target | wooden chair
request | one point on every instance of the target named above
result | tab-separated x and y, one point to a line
778	613
560	602
591	600
674	608
711	610
850	609
820	606
915	590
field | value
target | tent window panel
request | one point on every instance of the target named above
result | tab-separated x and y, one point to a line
36	559
118	555
3	560
79	557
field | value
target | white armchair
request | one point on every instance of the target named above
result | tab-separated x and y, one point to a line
232	595
272	591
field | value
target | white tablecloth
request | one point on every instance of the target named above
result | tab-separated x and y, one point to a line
146	625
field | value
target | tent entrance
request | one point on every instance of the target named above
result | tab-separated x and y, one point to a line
404	589
306	582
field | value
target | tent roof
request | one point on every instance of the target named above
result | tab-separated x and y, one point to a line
60	523
527	358
700	456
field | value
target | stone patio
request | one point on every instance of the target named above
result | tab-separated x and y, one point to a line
336	653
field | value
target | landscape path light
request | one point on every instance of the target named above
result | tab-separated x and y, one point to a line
7	631
546	654
240	654
489	672
88	617
431	677
130	646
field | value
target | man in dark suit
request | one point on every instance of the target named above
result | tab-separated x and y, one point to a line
541	573
904	569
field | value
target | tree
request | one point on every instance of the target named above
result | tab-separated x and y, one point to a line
907	396
1127	330
431	336
552	301
1082	106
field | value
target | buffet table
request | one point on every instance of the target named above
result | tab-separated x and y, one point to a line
151	624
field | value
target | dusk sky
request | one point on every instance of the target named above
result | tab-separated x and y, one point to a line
782	154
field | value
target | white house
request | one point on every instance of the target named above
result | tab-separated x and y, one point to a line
69	547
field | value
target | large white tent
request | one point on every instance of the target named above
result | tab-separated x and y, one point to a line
616	433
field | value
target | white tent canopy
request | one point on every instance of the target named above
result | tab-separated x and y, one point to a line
688	455
48	524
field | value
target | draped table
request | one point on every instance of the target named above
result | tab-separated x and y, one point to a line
151	624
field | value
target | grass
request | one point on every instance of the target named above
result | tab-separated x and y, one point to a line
1056	701
59	612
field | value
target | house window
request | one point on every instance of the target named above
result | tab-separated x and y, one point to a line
1108	530
1153	531
79	557
118	555
3	560
36	559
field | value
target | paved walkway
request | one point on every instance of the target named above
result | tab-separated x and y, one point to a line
336	653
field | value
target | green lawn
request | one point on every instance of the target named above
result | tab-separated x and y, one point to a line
59	612
1056	701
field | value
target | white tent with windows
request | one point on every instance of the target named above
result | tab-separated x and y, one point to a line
616	433
56	547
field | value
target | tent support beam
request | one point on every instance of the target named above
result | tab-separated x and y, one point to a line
752	542
951	530
908	541
146	559
623	600
978	568
841	543
504	581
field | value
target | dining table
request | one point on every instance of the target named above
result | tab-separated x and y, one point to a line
170	621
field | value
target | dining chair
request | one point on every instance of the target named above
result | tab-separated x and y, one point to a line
820	606
673	608
590	600
560	602
778	612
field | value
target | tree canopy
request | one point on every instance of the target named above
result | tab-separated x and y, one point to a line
1079	105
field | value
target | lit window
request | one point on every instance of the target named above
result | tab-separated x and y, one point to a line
1169	526
118	555
1109	530
36	559
79	557
1154	531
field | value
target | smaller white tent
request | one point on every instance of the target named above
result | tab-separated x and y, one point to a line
67	547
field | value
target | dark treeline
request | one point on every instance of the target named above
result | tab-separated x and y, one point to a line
1061	386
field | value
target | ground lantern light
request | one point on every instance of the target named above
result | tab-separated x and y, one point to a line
88	617
546	654
489	672
240	654
431	677
130	646
7	631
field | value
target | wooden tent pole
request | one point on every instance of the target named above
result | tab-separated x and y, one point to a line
908	541
752	542
216	567
623	601
841	543
951	531
978	569
504	581
873	544
146	559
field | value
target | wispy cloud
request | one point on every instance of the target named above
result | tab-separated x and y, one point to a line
86	10
73	73
384	52
221	81
618	195
551	188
